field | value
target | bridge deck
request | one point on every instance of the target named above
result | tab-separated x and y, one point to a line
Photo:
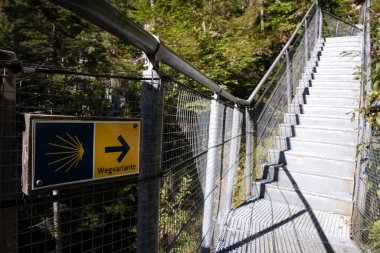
285	229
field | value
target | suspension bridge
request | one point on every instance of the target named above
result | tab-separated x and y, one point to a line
292	145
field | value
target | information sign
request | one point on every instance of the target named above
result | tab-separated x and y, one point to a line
69	150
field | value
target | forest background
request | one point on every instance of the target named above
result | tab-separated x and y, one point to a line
233	42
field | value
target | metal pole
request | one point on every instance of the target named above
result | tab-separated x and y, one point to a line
306	41
8	157
368	46
248	154
337	28
318	16
320	24
149	177
288	77
234	160
57	224
210	176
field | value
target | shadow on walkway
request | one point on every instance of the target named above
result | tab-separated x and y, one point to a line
267	231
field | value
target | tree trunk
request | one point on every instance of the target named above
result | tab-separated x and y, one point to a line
262	25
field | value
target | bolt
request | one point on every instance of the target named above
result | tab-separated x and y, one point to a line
134	125
39	183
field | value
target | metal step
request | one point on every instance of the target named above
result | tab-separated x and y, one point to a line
328	91
343	39
331	74
332	84
344	136
331	100
338	64
331	185
350	58
346	48
335	77
338	70
333	122
327	110
339	45
340	53
327	149
338	202
320	165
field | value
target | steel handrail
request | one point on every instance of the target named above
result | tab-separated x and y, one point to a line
113	21
270	70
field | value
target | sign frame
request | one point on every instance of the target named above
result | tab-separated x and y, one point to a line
29	156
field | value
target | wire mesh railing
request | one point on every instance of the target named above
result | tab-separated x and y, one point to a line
101	217
366	212
279	93
336	27
87	218
366	215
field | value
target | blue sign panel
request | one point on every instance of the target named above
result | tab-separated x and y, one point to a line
63	153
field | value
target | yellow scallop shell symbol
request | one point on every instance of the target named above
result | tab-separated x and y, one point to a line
70	152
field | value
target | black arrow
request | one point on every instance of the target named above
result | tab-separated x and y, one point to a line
124	148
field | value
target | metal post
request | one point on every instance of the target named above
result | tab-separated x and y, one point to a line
337	28
320	23
306	41
319	15
57	224
210	176
368	46
248	154
234	159
149	178
288	77
8	157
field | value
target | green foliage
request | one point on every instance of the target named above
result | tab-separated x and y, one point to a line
371	112
371	230
91	221
175	211
42	33
239	185
374	235
346	9
223	39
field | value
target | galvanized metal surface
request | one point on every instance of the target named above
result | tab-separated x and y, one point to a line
212	158
265	226
366	216
296	210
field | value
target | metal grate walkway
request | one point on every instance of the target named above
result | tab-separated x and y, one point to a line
286	229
